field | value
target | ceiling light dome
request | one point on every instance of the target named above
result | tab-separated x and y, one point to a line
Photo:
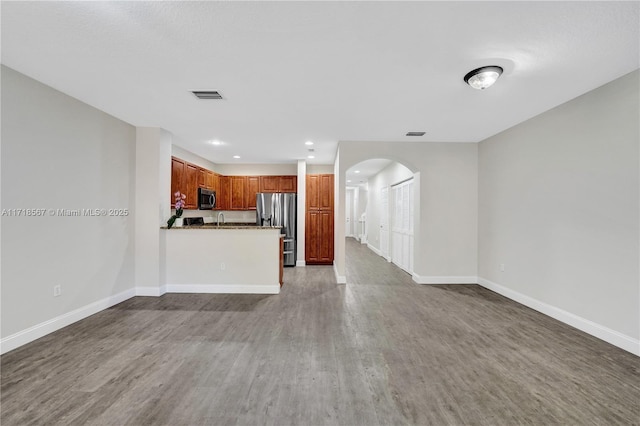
484	77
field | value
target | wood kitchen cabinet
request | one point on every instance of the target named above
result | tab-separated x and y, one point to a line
232	192
202	174
269	183
191	187
278	184
186	178
208	179
319	219
252	188
288	184
237	192
177	178
223	196
319	192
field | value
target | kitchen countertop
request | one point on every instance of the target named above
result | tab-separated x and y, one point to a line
223	226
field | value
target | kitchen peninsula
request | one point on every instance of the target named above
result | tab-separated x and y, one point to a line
225	259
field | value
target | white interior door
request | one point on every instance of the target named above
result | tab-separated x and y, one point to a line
402	225
384	222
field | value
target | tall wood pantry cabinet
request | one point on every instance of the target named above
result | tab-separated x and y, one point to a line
319	219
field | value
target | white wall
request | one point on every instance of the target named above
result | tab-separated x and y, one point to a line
446	196
257	169
59	153
222	260
390	175
152	204
319	169
192	158
559	207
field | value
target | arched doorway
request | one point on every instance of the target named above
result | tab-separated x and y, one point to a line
379	204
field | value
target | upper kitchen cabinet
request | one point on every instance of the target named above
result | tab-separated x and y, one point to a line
238	192
269	183
177	177
278	184
202	176
184	178
223	196
191	174
232	192
208	179
288	184
319	192
252	188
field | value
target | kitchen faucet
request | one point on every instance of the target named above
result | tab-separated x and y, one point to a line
218	221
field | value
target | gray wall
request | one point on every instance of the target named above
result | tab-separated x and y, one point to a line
445	245
59	153
558	206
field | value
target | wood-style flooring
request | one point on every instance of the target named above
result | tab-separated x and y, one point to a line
380	350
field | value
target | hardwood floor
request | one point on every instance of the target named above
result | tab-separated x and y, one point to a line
379	350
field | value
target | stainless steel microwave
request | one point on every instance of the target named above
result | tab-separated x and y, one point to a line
206	199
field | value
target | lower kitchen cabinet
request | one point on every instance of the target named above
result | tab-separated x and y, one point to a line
319	237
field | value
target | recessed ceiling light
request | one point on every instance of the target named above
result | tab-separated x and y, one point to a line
348	181
216	142
236	156
308	143
311	156
357	171
483	77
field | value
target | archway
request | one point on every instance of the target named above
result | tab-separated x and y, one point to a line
378	204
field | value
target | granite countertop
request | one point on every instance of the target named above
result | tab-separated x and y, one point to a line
230	225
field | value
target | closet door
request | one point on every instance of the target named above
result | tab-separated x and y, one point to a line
402	225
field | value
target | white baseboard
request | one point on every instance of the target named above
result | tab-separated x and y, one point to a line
601	332
301	263
224	288
427	279
39	330
373	249
151	291
340	279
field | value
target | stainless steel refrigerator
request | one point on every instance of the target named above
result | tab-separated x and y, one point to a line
279	209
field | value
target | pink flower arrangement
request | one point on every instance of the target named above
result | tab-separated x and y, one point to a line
179	201
179	204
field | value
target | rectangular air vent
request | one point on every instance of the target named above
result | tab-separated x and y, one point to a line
210	94
415	133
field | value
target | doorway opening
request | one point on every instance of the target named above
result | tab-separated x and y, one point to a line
380	210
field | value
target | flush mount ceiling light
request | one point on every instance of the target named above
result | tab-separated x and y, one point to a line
484	77
308	143
311	156
236	156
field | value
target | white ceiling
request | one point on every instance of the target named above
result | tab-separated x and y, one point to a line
320	71
359	174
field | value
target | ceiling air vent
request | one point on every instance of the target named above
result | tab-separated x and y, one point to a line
415	133
210	94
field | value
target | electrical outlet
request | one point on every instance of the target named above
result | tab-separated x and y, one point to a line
57	290
502	267
222	266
